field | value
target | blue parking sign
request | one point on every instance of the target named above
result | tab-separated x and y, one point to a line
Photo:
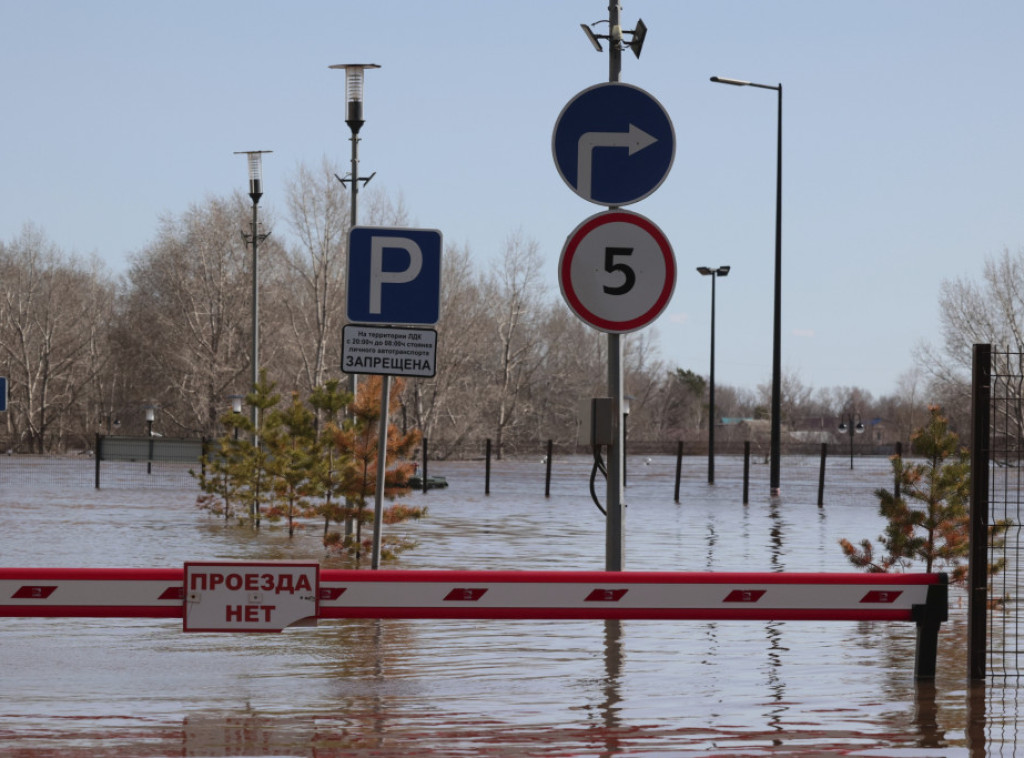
394	276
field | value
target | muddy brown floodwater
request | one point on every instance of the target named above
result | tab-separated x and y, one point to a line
139	687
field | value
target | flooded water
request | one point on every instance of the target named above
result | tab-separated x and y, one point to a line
139	687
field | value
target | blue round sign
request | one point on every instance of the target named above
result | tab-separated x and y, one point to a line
613	144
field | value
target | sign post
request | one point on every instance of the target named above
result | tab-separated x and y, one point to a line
3	393
394	277
613	144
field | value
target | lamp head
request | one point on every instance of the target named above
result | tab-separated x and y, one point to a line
354	92
592	37
708	271
255	158
734	82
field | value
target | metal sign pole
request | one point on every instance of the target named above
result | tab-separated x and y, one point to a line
382	460
614	537
613	145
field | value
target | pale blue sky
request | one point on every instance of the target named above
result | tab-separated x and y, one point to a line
901	142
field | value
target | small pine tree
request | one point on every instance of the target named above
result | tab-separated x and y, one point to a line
303	468
236	469
360	441
929	522
332	472
221	490
289	442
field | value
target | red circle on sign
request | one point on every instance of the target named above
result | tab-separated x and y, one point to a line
659	286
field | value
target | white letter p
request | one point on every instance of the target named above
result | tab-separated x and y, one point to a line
380	277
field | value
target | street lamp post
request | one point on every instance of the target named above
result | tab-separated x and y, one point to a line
354	74
150	418
850	423
254	238
714	273
776	429
236	408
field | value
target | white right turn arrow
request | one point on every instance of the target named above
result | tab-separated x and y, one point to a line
636	139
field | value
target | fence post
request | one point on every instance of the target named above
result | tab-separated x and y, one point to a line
424	465
821	475
487	468
977	572
679	467
746	472
899	456
547	474
99	448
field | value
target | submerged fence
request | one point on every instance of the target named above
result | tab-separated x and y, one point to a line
114	463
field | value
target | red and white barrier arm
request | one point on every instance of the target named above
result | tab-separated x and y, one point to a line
85	592
624	595
337	594
160	593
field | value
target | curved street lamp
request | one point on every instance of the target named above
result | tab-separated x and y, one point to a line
776	433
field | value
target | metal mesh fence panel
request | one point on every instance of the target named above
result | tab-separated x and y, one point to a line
1006	480
80	471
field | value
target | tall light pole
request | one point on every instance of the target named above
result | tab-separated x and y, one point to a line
354	74
254	238
714	273
850	423
776	433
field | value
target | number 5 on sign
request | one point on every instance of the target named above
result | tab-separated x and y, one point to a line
617	271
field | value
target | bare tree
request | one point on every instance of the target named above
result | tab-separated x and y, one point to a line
318	216
571	370
445	405
54	312
794	395
186	325
971	312
515	291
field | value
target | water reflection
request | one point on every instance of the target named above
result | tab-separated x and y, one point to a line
926	715
612	684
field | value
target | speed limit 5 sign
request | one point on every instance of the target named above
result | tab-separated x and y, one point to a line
617	271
